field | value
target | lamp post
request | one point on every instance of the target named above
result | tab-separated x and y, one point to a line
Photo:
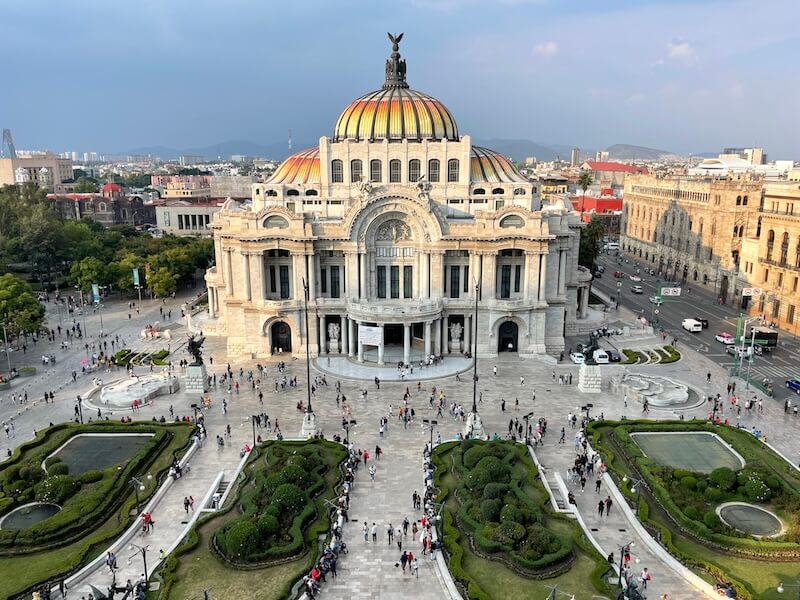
527	425
474	425
143	551
8	356
714	411
635	489
431	423
79	407
782	587
622	550
138	486
347	424
555	592
309	419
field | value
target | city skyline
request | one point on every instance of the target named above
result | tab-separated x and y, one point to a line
684	77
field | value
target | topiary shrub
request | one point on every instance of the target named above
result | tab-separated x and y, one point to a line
478	479
56	489
723	477
268	525
32	473
490	510
296	475
51	460
712	521
497	469
712	494
90	476
288	497
757	490
241	539
58	469
495	490
473	455
688	482
510	512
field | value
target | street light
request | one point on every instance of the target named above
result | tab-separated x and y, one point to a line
143	551
634	489
8	355
79	408
138	486
622	551
431	423
347	424
309	421
527	418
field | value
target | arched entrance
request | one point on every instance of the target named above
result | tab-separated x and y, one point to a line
507	337
723	287
281	337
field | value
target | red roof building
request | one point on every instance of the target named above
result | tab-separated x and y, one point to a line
611	173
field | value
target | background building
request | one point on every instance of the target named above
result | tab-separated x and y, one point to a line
49	171
184	217
392	221
575	157
691	228
610	174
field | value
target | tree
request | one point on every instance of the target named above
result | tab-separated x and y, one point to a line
591	235
19	308
162	282
41	241
88	271
585	179
84	185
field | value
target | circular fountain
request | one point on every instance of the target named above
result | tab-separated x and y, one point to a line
121	394
659	391
28	515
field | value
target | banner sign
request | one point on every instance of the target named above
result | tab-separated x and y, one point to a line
371	336
136	277
95	293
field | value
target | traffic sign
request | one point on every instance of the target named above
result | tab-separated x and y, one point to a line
753	291
619	284
656	311
670	291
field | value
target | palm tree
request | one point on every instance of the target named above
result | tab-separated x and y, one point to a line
585	179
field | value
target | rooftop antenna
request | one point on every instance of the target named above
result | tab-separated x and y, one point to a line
8	141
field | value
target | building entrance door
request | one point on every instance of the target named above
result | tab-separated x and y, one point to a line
723	288
507	337
393	335
281	337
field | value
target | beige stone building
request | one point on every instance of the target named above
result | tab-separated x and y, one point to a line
392	226
771	255
46	170
691	229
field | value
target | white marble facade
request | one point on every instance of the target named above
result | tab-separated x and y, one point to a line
392	222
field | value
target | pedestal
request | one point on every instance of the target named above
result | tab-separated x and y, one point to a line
333	346
196	378
455	346
309	427
590	379
473	428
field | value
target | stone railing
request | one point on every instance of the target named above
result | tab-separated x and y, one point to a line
392	311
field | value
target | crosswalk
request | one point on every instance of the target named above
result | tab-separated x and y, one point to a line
771	372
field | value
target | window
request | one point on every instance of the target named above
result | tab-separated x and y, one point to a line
408	281
180	221
375	171
355	171
738	200
433	170
770	243
790	314
505	281
758	228
323	280
413	170
337	171
766	276
381	281
311	193
394	283
478	192
272	287
784	249
452	170
292	193
744	201
455	284
394	171
776	309
517	277
498	191
284	271
466	278
779	283
794	284
335	282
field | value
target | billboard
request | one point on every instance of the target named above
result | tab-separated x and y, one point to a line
95	293
136	277
371	336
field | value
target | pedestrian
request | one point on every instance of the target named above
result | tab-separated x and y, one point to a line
503	405
608	505
645	577
186	504
403	561
405	525
601	506
390	533
374	532
494	369
372	471
522	380
597	484
708	377
366	532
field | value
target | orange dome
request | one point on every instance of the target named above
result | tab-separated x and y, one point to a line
300	168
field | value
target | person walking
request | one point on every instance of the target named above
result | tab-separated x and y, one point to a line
403	561
374	533
365	529
598	482
390	533
608	505
601	506
399	536
645	577
372	471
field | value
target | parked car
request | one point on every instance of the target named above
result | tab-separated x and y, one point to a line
601	268
577	358
794	384
651	271
655	300
598	275
619	274
635	278
614	356
637	289
724	338
703	322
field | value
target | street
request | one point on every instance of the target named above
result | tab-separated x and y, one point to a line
694	302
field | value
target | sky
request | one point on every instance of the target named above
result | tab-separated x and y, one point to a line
679	75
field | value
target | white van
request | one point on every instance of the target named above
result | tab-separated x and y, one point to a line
600	357
692	325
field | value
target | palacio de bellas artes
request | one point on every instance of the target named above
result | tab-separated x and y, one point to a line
387	231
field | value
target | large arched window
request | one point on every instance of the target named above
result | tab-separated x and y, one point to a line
375	170
797	254
770	243
356	170
394	171
337	171
413	170
784	249
452	170
433	170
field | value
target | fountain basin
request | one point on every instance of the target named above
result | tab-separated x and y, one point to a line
28	515
749	518
121	394
98	451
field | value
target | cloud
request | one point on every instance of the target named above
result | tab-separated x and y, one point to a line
546	49
681	52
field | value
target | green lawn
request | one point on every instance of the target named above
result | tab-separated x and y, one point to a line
697	452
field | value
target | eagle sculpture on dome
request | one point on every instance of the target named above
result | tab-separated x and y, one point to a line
395	66
395	39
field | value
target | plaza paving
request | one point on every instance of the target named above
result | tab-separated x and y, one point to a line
369	571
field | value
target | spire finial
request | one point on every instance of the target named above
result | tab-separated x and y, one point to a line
395	66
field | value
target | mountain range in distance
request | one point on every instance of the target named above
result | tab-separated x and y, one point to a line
516	149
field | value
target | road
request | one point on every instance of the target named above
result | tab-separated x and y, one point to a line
776	366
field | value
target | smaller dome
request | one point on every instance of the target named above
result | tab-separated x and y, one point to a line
301	168
488	166
111	187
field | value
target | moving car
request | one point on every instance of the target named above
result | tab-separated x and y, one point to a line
614	356
600	356
601	268
794	384
635	278
655	300
725	338
692	325
739	352
703	322
619	274
637	289
577	358
598	275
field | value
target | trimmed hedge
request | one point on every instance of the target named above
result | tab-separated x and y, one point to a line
631	357
671	353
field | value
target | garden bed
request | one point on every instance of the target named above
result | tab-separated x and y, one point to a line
269	531
681	504
502	540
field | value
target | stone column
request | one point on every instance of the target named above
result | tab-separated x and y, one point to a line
312	276
584	302
489	275
360	349
351	351
526	279
351	274
260	281
426	275
343	328
248	292
542	278
436	271
322	335
229	273
381	345
446	335
467	333
362	277
437	346
562	273
427	337
212	303
406	343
